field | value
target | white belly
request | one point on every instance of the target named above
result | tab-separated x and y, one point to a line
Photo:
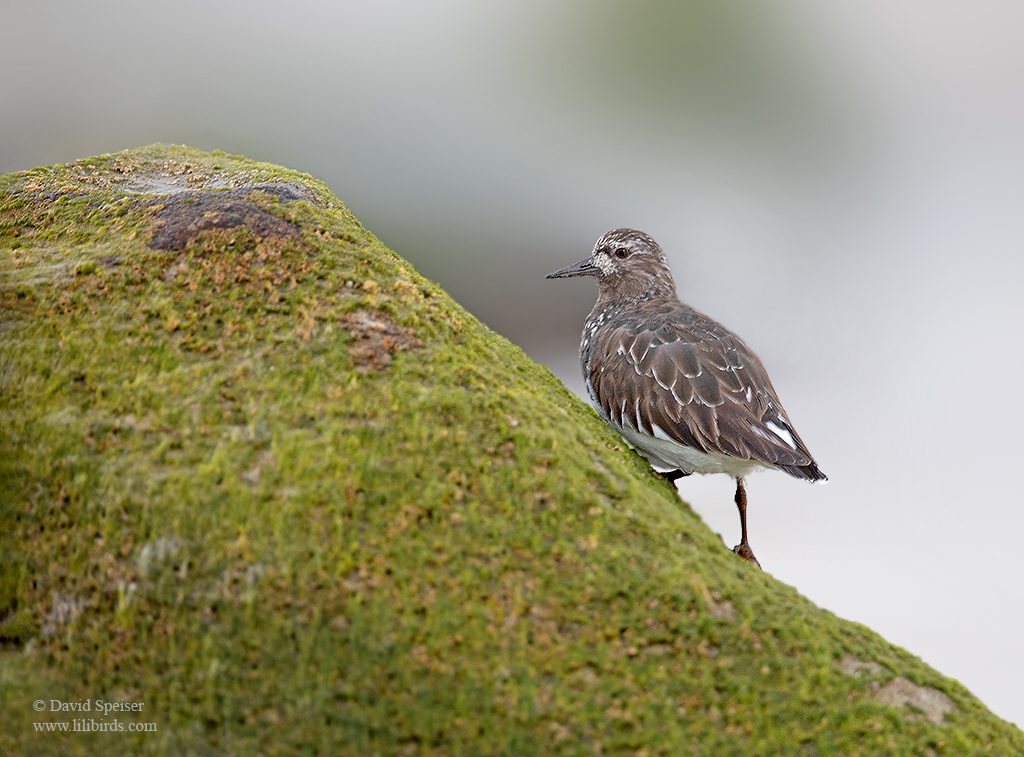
667	455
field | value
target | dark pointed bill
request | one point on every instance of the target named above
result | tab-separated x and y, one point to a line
585	267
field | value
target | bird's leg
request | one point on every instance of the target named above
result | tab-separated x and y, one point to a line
743	548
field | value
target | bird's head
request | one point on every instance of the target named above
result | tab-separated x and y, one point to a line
627	264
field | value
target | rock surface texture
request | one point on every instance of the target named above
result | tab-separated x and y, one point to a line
260	476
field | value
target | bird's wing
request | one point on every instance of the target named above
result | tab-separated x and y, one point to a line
700	385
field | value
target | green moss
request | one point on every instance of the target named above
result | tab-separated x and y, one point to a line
222	496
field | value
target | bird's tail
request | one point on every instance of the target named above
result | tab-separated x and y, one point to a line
808	472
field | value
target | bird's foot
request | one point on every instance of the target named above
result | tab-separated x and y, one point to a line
672	475
743	550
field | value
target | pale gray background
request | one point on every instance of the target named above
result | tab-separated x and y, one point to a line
841	183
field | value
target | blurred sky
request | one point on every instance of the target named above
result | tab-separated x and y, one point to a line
840	183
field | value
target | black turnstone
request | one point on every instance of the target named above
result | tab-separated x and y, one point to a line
685	391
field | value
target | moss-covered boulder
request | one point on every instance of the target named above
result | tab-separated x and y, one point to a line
260	478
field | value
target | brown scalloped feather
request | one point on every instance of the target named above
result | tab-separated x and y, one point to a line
658	361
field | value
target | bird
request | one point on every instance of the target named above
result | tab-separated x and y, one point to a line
683	390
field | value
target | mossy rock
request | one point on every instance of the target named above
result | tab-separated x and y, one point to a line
261	477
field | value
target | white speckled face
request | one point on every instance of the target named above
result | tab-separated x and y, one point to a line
628	264
620	245
603	261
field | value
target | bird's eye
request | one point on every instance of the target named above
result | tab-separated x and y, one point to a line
621	252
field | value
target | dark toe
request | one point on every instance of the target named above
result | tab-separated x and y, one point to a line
744	551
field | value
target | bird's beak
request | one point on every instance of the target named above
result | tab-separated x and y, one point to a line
585	267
